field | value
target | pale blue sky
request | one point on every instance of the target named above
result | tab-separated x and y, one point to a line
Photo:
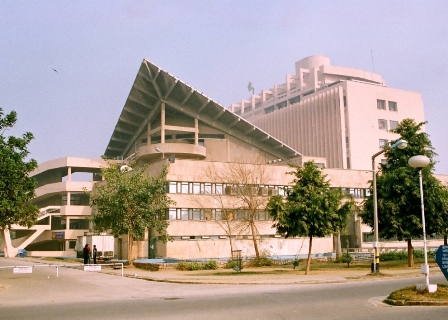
215	46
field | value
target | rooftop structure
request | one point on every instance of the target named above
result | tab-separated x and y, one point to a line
341	114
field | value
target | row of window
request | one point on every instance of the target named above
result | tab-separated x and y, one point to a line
217	237
235	190
382	124
381	105
369	237
215	214
223	188
60	223
76	199
282	104
235	237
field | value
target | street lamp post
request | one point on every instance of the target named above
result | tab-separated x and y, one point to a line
419	162
400	144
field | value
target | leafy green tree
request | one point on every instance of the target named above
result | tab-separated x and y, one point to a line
311	208
398	191
16	187
129	202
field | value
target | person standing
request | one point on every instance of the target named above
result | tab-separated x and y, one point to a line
95	251
86	253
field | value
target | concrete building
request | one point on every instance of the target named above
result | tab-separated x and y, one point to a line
63	208
341	114
215	157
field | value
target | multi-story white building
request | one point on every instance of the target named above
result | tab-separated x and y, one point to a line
63	208
341	114
166	122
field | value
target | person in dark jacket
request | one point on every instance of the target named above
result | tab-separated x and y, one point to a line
95	251
86	254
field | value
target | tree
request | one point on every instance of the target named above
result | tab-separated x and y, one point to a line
311	208
398	191
16	187
129	202
242	198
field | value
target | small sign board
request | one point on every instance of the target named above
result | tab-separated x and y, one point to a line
22	270
58	235
442	259
92	268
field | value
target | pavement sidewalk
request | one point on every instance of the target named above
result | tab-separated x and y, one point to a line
263	275
267	275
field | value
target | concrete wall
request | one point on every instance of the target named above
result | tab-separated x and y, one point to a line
212	248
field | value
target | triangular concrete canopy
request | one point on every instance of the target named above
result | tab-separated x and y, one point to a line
154	86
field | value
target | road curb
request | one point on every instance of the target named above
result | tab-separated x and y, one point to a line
415	303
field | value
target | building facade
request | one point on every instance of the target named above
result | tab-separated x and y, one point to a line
215	157
341	114
63	208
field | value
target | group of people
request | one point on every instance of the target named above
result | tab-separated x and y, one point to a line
87	253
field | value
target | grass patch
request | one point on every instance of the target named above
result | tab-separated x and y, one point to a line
317	265
410	295
69	260
379	275
247	273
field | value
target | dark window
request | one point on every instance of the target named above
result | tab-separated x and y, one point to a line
382	124
281	105
79	224
269	109
392	106
294	100
381	104
393	124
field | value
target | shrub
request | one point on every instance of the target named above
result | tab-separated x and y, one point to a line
211	265
231	264
182	265
393	255
347	258
190	266
419	254
261	262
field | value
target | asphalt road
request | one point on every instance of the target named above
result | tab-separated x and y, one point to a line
76	294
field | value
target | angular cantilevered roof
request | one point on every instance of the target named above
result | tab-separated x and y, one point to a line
152	86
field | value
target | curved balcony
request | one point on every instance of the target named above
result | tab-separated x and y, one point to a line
62	187
181	150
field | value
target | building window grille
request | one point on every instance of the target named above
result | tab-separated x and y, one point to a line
281	104
196	187
184	187
393	124
381	104
294	100
383	143
382	124
269	109
78	224
392	106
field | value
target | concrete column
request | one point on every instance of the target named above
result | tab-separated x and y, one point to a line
196	131
162	123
